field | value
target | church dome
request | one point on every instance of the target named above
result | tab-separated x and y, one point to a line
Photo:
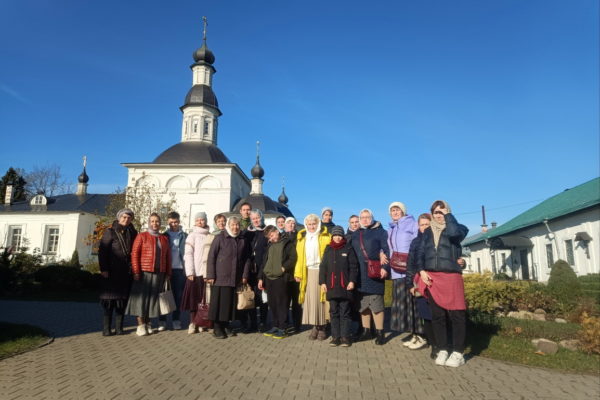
257	171
201	95
263	203
83	178
283	199
192	153
203	54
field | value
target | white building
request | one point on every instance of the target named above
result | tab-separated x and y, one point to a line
195	172
565	226
53	226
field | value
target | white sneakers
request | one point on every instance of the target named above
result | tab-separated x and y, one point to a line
149	329
441	358
192	329
418	343
176	325
162	325
141	330
456	359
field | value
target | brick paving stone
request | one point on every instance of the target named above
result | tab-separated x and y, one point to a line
81	364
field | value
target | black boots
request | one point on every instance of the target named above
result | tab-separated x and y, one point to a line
119	324
364	334
218	331
379	337
106	322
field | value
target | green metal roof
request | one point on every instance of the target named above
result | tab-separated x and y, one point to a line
571	200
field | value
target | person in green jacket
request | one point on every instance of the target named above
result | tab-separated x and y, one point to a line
278	266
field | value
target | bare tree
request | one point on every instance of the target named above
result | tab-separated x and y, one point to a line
48	180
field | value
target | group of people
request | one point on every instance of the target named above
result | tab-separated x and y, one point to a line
321	276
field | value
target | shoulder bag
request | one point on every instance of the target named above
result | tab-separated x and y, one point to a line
166	300
373	266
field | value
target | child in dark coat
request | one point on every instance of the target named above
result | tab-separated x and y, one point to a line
338	273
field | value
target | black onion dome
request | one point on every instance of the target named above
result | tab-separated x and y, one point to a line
257	171
283	199
201	95
83	178
203	54
192	153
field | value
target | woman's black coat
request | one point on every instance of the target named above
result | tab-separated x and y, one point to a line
338	268
449	250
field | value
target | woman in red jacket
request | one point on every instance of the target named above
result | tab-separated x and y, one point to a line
151	265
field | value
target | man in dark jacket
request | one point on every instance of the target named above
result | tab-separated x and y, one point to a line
278	267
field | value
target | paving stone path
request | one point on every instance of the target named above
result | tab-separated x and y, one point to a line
81	364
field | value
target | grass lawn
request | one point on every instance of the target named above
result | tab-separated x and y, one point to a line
17	338
521	351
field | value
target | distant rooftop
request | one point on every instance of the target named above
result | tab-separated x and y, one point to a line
569	201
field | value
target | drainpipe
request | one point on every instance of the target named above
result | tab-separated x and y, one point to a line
553	237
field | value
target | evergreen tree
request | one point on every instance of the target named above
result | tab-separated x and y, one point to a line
13	176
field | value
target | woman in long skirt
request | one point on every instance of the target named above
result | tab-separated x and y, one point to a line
311	244
151	265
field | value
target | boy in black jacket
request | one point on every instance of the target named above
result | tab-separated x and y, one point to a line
338	273
278	266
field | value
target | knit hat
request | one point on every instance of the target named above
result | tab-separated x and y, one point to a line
126	211
337	230
288	219
200	214
326	209
399	205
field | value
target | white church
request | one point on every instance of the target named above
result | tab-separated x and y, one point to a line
195	172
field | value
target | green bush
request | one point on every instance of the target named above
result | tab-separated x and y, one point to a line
93	267
501	276
564	285
590	286
59	278
74	262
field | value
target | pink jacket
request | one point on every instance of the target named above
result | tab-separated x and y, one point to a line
194	249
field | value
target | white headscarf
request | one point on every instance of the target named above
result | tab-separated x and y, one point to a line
311	248
366	210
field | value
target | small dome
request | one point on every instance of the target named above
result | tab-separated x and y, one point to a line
257	171
83	178
283	199
203	54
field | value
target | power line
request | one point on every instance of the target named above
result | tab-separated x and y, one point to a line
501	207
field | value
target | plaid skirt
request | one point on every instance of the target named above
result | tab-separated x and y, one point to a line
404	316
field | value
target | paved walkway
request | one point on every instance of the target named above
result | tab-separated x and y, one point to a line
81	364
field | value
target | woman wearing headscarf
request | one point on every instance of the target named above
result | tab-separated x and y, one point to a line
401	232
220	221
440	280
369	242
327	218
151	265
310	246
194	270
227	267
114	257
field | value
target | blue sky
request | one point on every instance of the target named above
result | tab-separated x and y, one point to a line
356	104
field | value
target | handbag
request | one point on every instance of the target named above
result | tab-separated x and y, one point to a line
399	261
201	318
245	296
373	266
166	300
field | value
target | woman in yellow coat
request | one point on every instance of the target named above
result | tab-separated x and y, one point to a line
311	244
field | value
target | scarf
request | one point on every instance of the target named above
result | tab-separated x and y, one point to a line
337	246
372	217
437	227
201	231
312	246
151	231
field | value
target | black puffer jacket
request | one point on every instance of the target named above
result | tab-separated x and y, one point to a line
411	263
449	250
338	268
